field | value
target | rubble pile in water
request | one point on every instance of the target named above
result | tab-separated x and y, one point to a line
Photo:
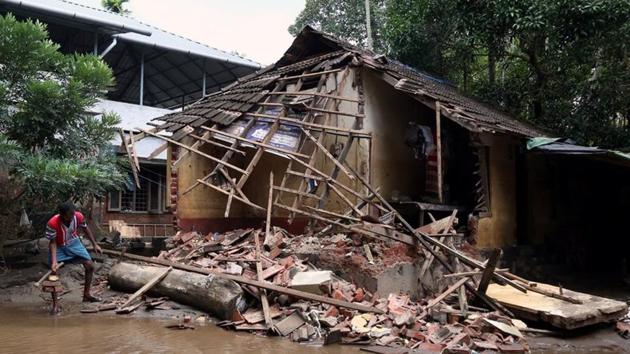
398	321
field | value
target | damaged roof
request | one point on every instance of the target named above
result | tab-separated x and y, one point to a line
315	51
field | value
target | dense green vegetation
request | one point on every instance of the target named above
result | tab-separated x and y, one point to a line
561	64
51	148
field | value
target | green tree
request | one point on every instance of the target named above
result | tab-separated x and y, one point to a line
115	6
344	19
51	148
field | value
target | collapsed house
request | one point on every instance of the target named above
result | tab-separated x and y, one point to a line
332	138
327	108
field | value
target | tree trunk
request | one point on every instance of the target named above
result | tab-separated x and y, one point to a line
220	297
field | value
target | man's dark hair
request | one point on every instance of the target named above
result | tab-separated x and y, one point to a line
65	208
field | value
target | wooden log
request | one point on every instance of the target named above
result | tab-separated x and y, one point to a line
146	287
216	295
247	281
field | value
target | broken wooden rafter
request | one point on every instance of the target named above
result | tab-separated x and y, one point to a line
259	270
220	190
256	143
214	143
243	280
314	126
296	192
235	168
158	151
315	74
423	241
334	97
132	164
330	213
327	153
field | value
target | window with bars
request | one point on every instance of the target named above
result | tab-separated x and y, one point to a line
150	197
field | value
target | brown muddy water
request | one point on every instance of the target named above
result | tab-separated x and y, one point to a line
29	329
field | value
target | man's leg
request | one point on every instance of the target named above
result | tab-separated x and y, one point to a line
89	273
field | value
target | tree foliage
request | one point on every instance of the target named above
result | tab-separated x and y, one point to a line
51	147
562	64
116	6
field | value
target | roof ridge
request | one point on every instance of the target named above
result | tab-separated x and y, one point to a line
162	30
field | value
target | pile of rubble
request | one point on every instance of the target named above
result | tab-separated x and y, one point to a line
397	320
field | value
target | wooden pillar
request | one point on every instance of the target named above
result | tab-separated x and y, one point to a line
438	137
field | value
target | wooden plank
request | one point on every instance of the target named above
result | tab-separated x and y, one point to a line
259	270
146	287
235	168
132	148
486	276
195	145
429	259
242	280
559	313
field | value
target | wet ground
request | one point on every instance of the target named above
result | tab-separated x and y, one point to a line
26	326
29	329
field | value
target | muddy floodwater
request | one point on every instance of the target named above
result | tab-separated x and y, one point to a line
28	329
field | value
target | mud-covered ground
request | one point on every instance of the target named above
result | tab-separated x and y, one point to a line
17	289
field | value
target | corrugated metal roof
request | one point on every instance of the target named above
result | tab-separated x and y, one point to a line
132	116
127	25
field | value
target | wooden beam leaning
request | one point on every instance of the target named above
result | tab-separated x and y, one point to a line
214	143
235	168
422	239
256	143
184	153
327	153
222	191
486	276
132	164
259	270
158	151
252	282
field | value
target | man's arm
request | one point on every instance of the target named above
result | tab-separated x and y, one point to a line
90	235
52	245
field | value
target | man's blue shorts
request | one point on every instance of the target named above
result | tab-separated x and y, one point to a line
72	252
